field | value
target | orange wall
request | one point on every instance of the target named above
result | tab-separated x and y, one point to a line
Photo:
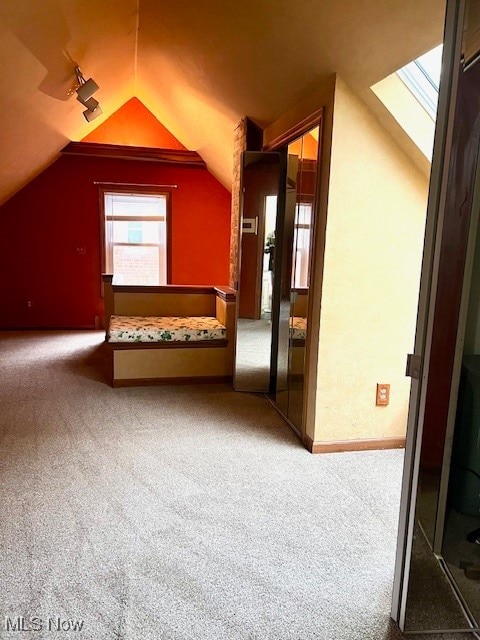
134	125
44	223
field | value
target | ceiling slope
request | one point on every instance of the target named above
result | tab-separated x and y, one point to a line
200	68
40	43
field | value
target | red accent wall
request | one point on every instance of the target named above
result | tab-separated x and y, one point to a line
133	124
43	225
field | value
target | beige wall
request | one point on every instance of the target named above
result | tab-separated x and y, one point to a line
374	239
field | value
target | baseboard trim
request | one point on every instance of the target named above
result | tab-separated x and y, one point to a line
81	327
144	382
367	444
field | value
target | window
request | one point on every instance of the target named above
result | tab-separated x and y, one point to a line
302	233
301	244
135	236
422	77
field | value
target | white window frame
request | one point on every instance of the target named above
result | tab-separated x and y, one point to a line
105	217
418	80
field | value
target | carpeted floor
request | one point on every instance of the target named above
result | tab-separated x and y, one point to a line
180	512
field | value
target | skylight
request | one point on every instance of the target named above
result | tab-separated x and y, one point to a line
422	77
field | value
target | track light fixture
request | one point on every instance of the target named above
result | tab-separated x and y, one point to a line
85	90
91	114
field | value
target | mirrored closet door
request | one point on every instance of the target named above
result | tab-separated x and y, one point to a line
262	180
296	250
278	196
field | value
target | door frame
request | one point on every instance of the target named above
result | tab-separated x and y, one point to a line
280	142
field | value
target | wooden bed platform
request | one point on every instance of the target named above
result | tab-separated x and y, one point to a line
160	356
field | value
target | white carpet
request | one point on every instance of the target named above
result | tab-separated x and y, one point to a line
180	512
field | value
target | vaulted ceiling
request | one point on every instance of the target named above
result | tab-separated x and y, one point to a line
198	65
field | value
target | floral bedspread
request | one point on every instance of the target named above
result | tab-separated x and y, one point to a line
164	329
298	328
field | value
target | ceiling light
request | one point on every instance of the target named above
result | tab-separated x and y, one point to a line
91	114
91	103
85	90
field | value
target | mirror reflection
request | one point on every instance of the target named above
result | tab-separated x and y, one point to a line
260	188
275	255
297	248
